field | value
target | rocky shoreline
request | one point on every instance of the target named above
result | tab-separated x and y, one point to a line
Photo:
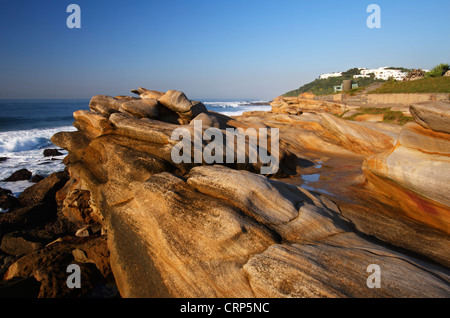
347	195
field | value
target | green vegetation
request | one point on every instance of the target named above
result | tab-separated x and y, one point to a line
438	70
389	116
401	69
424	85
326	86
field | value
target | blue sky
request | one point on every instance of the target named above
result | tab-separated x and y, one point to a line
246	49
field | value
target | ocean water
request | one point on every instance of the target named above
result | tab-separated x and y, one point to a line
26	127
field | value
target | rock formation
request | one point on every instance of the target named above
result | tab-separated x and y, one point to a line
167	229
413	171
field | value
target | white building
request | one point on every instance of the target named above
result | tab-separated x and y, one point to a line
328	75
383	73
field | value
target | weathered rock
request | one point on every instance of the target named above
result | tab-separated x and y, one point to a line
18	244
412	173
147	94
432	115
370	118
179	103
447	73
105	105
91	123
356	138
176	101
233	242
49	267
37	204
22	174
7	200
336	267
145	108
37	178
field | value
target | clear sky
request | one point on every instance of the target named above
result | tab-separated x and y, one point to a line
243	49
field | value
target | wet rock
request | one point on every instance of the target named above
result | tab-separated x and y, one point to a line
49	267
3	159
19	175
37	178
52	153
7	200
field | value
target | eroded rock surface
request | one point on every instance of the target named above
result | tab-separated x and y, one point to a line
180	230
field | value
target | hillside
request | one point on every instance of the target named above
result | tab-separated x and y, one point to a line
424	85
326	86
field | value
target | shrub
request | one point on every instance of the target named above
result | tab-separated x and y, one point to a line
438	70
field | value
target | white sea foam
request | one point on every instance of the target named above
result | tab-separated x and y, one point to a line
24	150
247	109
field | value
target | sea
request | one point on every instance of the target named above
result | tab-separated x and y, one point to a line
26	127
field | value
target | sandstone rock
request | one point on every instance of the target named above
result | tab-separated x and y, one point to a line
321	257
212	119
145	108
356	138
216	256
147	94
92	123
412	173
37	204
7	200
432	115
179	103
312	271
447	73
105	105
43	191
176	101
370	117
48	266
18	244
37	178
22	174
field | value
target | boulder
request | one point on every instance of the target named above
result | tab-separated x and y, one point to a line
147	94
22	174
52	153
37	178
432	115
18	244
176	101
7	200
49	265
145	108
